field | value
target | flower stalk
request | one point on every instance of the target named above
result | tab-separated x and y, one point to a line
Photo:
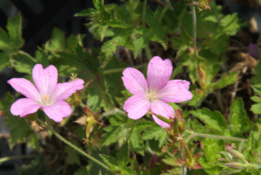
72	145
237	139
4	159
109	71
194	19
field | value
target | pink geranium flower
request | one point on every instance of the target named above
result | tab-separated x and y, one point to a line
154	93
46	93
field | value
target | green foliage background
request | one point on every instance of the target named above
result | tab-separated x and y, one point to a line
129	146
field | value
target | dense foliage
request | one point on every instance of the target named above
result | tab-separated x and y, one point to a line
217	132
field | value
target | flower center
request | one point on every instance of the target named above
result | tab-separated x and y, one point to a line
46	100
151	96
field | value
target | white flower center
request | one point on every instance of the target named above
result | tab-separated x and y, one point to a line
151	96
46	100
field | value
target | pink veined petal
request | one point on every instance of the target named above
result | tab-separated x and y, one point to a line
134	81
65	90
136	106
158	73
58	110
45	79
175	91
24	106
161	108
26	88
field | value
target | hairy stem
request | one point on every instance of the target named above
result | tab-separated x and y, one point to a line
147	49
194	19
4	159
109	71
237	139
148	53
73	146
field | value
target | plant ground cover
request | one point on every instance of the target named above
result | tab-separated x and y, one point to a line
200	62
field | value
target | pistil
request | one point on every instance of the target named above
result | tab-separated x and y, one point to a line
46	100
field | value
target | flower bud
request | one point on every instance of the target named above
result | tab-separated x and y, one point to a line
235	165
237	155
88	111
180	121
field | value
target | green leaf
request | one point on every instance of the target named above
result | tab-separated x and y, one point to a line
142	41
98	4
4	61
72	156
231	24
33	141
4	41
42	57
20	130
57	41
13	40
225	80
135	138
23	62
208	161
115	134
155	132
213	120
256	79
111	162
122	38
256	108
256	99
89	12
14	28
239	122
121	163
118	131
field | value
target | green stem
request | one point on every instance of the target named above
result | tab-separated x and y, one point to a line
4	159
144	12
148	53
109	71
194	19
147	50
183	167
187	150
253	165
73	146
237	139
219	100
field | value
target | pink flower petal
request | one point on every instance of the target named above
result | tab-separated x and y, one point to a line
45	79
161	108
175	91
65	90
58	110
136	106
24	106
134	81
158	73
26	88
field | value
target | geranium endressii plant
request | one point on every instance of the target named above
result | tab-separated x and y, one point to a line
46	93
154	93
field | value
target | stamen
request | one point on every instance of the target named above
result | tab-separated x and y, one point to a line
46	100
151	96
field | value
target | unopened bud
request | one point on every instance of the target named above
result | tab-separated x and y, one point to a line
88	111
180	120
237	154
235	165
